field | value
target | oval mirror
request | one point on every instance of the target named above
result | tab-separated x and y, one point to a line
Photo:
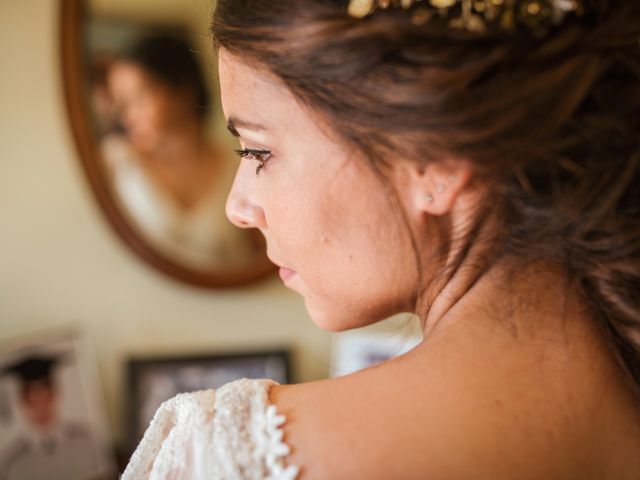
142	96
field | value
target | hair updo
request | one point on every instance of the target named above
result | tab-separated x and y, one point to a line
553	123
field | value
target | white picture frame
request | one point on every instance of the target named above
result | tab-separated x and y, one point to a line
52	419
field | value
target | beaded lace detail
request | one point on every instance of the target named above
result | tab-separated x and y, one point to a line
229	433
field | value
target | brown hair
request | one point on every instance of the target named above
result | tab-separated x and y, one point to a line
553	124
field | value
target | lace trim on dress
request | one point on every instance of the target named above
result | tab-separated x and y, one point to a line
276	448
231	433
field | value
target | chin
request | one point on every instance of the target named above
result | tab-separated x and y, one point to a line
325	318
335	320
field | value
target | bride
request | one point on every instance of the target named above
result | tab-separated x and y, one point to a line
476	164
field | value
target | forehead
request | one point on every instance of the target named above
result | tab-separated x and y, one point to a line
247	88
128	74
257	95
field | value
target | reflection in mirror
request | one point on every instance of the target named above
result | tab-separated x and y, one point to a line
153	108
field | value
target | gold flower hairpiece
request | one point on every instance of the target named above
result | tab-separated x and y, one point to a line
478	15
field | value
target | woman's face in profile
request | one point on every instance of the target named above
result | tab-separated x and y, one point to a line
324	213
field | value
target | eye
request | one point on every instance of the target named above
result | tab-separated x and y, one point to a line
261	156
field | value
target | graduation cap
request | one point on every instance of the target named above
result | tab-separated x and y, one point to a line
33	368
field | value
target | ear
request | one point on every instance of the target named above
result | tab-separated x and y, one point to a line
434	188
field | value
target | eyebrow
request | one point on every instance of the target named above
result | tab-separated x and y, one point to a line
234	123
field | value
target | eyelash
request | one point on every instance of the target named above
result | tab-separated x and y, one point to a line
260	155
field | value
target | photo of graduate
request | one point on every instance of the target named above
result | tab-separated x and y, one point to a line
43	433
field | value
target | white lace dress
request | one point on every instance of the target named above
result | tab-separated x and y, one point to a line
226	434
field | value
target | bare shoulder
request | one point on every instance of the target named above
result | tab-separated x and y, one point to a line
452	420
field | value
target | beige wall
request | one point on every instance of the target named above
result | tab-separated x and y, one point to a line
60	264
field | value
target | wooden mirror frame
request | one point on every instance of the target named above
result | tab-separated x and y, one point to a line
73	14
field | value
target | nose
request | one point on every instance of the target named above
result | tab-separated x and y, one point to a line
242	207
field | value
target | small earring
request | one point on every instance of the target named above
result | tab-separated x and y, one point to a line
429	198
440	188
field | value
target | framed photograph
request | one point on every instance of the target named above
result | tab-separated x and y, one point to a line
357	349
154	380
52	423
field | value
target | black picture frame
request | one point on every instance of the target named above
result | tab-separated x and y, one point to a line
175	374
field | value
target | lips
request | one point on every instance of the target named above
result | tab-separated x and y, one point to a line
286	273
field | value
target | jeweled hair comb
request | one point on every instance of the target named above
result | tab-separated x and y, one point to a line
478	15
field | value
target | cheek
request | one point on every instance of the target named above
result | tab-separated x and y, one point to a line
358	279
349	252
296	227
154	109
159	112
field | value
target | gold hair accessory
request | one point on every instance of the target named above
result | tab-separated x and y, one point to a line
478	15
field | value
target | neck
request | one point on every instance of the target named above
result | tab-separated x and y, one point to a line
519	300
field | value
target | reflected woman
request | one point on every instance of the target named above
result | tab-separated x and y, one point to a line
170	178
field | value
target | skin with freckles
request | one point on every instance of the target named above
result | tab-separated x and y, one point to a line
513	380
318	205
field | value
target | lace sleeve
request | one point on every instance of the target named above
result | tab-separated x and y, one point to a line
231	433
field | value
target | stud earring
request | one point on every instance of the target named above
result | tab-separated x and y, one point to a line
429	198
